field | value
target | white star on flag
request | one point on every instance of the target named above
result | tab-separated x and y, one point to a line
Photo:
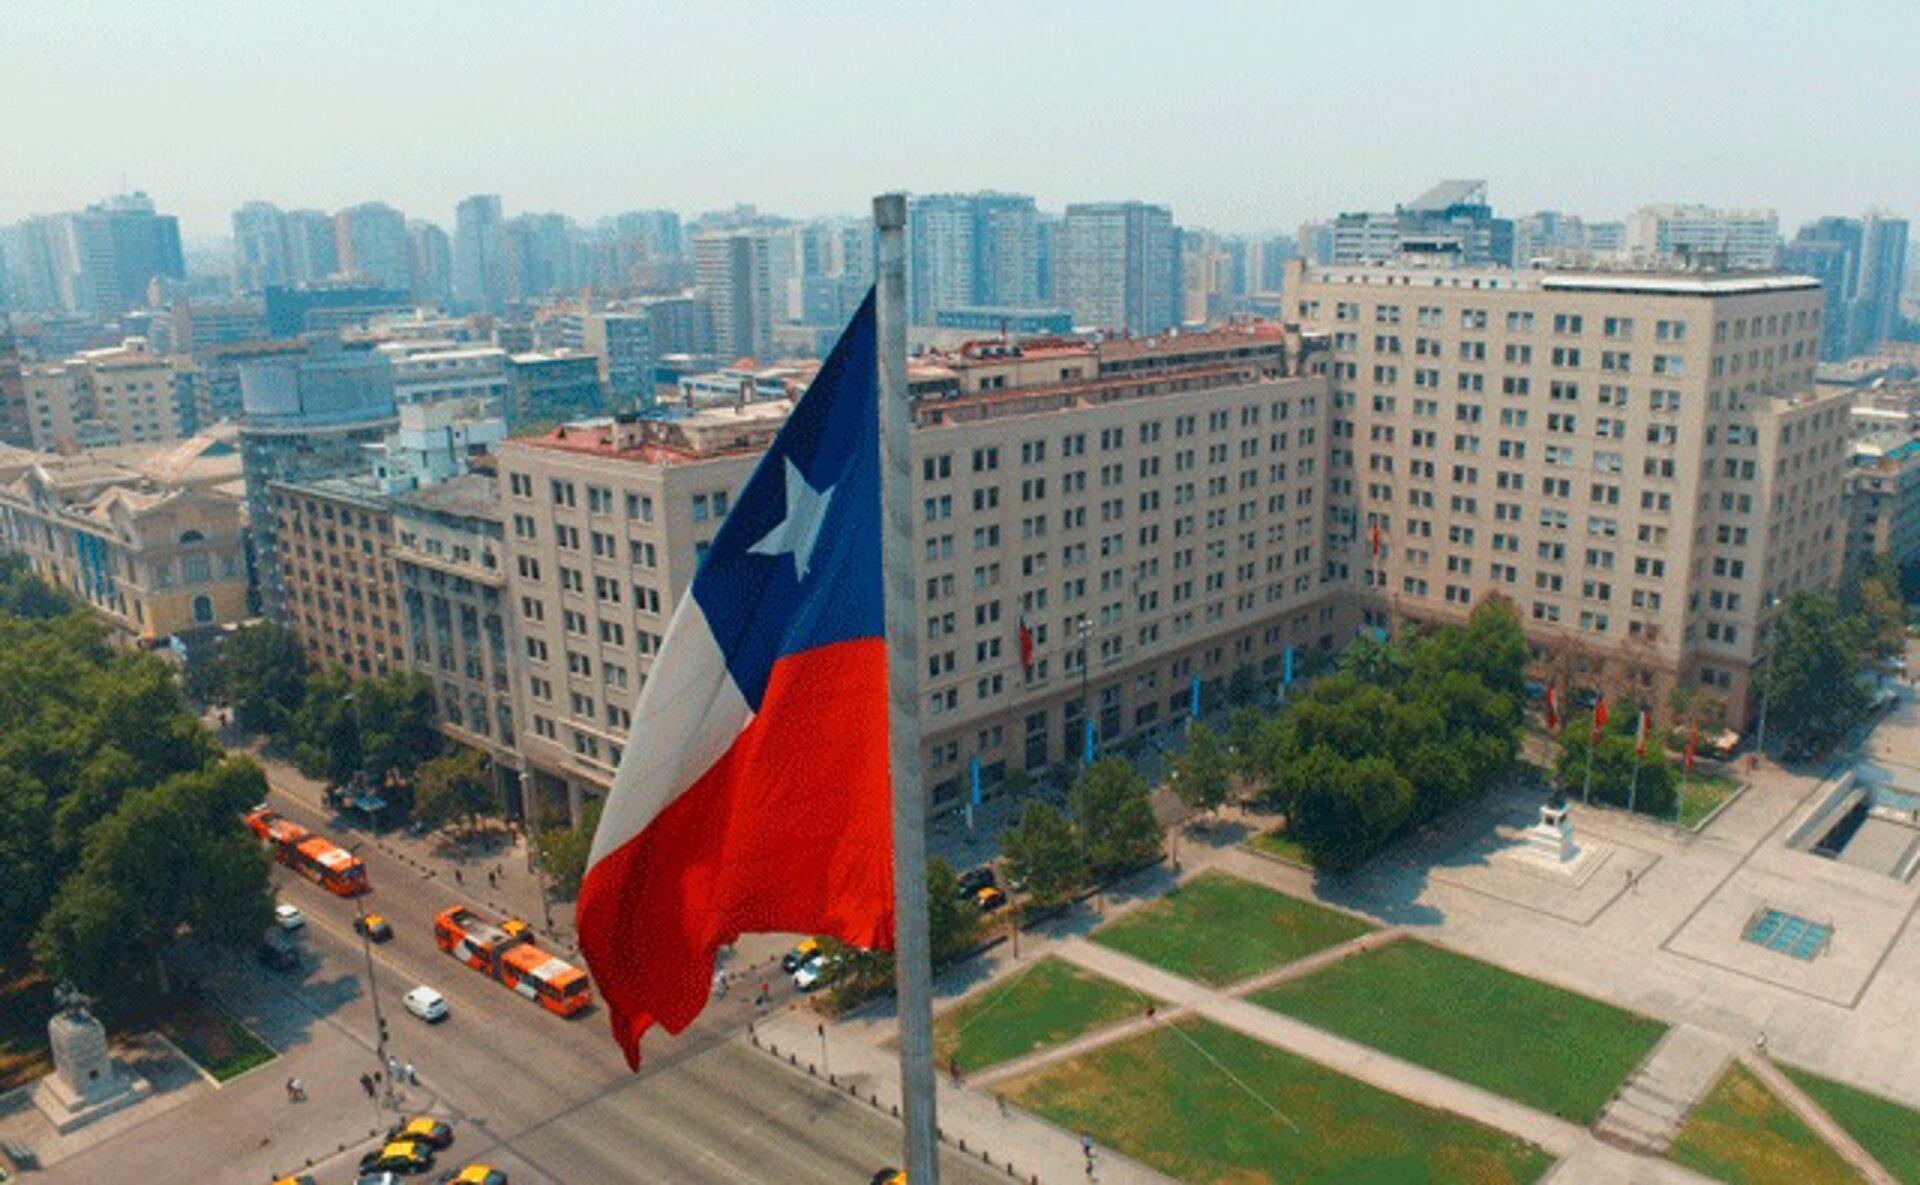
795	535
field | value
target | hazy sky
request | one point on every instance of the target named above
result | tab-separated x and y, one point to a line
1240	116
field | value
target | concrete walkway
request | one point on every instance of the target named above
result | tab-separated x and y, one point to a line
984	1122
1656	1098
1814	1116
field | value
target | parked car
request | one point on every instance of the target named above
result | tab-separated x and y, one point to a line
377	1179
279	952
792	960
288	917
975	879
476	1174
374	927
889	1176
398	1156
989	899
426	1004
423	1128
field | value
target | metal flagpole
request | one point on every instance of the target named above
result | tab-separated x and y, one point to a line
913	962
1593	738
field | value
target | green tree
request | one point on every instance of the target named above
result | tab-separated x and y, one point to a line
564	850
1114	816
456	788
1614	763
1877	625
169	859
1812	682
1043	853
1345	810
25	595
30	869
261	671
1246	736
395	716
1201	773
1374	661
325	729
952	922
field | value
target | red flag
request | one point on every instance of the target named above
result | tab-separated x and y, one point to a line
1026	647
1693	738
1600	713
1644	727
1376	541
1553	710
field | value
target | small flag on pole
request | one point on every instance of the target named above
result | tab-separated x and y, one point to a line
1193	708
1026	647
1600	712
1087	757
1553	709
974	800
1286	667
1641	730
1376	541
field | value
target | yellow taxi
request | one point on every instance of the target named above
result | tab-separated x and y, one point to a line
300	1179
514	927
801	955
476	1174
989	899
422	1129
398	1156
889	1176
374	926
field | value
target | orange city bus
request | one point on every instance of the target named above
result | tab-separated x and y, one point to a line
321	861
512	959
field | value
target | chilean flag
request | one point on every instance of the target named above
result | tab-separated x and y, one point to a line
754	794
1641	729
1553	710
1599	713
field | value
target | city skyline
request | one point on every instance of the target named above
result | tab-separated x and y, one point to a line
692	111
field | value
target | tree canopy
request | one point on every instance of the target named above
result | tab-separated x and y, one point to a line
1114	816
1042	851
1402	731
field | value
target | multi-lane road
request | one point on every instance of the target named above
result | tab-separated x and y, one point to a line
550	1099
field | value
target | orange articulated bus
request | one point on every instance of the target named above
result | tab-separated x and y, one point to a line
513	959
321	861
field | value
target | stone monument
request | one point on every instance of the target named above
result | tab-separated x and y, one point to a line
1547	849
86	1082
1550	841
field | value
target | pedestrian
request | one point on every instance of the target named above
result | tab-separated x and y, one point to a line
953	1068
1149	1012
1760	1042
291	1097
1086	1146
366	1084
493	880
457	878
412	1079
393	1069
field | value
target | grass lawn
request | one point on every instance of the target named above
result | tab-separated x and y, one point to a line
1742	1134
1041	1005
1700	795
1544	1046
1278	843
1203	1103
1885	1128
1217	929
220	1044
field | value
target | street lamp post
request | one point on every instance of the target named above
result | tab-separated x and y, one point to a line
1766	684
1086	705
533	851
373	994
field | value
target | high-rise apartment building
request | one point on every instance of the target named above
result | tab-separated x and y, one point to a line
969	250
313	248
622	342
538	251
1861	265
16	421
306	416
1120	267
732	267
371	242
1638	461
479	265
261	253
430	264
1688	235
99	260
122	395
1150	509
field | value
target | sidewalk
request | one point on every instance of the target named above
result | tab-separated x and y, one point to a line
983	1122
512	892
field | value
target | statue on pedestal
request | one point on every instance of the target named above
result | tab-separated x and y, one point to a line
85	1083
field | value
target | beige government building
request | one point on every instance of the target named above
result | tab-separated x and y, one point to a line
1151	507
1638	461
